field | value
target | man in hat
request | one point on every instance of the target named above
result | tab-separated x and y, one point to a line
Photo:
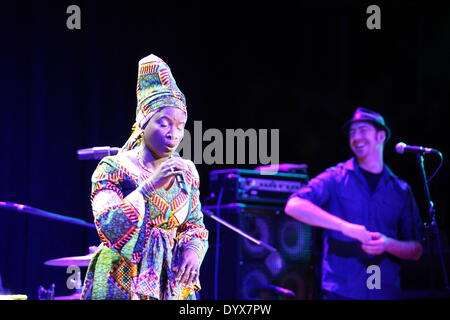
369	215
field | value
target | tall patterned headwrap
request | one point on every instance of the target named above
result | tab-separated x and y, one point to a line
156	88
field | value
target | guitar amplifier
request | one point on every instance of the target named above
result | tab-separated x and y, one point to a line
252	186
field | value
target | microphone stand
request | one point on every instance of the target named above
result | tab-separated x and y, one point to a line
44	214
220	221
431	228
238	231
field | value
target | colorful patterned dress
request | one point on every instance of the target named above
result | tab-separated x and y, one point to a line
142	236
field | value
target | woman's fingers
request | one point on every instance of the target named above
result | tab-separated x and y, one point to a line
186	274
175	164
193	276
172	173
173	168
167	170
190	276
180	271
192	267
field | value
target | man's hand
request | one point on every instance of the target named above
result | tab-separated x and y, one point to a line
356	231
377	245
188	271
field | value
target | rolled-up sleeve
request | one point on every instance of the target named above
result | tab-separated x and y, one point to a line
318	189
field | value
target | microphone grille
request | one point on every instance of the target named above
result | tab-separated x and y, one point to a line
400	147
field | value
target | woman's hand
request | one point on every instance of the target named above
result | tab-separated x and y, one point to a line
188	271
166	170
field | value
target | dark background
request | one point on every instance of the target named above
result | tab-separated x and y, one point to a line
300	68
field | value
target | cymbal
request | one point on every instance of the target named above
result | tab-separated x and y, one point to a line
75	296
81	261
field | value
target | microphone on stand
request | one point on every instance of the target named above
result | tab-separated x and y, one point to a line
402	148
97	152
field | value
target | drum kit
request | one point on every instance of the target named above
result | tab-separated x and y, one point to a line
48	294
78	261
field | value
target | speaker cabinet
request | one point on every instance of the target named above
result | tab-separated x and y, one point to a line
237	268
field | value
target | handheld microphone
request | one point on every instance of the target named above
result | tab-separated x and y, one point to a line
179	178
97	152
402	148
